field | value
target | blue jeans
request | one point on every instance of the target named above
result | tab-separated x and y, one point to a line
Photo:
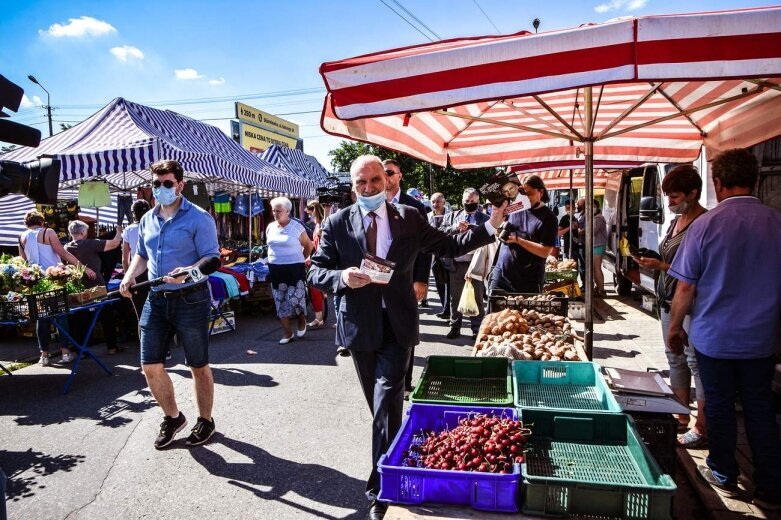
186	316
44	334
721	379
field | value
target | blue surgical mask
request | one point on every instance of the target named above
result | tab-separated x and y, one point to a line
165	196
372	202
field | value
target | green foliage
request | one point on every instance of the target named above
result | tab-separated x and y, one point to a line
449	181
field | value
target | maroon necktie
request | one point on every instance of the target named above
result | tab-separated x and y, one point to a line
371	233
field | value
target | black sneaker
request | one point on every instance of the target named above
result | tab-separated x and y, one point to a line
424	303
343	351
201	432
453	334
168	429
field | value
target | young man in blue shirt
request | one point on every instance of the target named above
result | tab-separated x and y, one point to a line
729	280
176	234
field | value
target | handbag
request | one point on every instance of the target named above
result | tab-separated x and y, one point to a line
467	305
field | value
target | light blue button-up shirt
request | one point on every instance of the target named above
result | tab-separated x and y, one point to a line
731	254
180	241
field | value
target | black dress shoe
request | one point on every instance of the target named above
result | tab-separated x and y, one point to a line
377	510
342	351
453	334
424	303
443	315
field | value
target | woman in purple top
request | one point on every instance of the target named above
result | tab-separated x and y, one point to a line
682	186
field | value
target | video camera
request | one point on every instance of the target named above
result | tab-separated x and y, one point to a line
338	193
37	180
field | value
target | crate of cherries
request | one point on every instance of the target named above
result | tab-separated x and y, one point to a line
454	455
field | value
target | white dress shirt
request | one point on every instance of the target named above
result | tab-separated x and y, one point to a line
395	198
384	237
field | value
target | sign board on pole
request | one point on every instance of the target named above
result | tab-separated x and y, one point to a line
257	139
262	119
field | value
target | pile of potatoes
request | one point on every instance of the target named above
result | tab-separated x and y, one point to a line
526	334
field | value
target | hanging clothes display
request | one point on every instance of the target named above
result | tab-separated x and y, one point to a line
94	194
124	208
196	193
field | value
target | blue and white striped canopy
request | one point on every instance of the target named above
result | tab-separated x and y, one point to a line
125	137
296	162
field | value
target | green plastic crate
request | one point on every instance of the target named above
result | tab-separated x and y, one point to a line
465	381
591	464
562	386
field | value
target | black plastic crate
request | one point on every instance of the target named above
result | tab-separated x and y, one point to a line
500	300
33	307
659	432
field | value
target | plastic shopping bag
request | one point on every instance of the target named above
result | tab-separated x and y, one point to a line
467	305
623	246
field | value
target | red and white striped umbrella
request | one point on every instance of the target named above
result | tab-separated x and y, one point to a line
662	87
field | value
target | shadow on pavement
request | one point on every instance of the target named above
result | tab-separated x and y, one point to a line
39	464
37	399
231	377
314	482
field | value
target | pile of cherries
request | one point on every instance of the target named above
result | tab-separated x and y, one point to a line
480	442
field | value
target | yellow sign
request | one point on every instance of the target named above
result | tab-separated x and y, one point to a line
257	139
257	117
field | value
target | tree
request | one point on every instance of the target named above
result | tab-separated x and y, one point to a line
449	181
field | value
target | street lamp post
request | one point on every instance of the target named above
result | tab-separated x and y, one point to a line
48	102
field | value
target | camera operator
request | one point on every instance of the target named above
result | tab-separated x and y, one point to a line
528	237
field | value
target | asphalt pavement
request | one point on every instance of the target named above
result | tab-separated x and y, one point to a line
293	428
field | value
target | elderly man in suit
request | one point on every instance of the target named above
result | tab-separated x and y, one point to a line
395	195
379	323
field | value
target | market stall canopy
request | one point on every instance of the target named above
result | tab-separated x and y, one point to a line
663	87
125	137
296	162
557	177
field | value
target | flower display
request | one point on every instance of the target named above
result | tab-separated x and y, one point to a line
18	276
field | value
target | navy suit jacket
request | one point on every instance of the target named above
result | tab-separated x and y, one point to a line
423	262
342	244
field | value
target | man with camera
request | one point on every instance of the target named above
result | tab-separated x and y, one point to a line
456	223
528	237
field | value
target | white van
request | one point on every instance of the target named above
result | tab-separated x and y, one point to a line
635	207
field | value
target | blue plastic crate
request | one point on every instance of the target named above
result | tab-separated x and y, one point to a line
484	491
554	385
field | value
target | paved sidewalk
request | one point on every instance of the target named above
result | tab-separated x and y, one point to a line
294	430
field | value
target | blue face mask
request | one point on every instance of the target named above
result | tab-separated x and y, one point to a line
165	196
372	202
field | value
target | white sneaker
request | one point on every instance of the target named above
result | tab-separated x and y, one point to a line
44	361
70	357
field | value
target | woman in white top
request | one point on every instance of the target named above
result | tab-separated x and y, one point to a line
130	237
40	245
288	246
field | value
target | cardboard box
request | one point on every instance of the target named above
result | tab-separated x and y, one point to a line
224	324
576	310
86	296
648	303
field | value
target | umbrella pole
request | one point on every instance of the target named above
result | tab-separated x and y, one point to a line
249	255
588	333
571	205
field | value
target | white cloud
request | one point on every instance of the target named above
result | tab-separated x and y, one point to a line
220	81
28	103
79	27
618	5
127	52
187	74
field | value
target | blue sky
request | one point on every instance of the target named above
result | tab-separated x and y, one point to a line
87	52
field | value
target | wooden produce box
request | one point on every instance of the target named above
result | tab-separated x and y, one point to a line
86	296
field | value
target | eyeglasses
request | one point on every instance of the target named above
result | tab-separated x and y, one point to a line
390	172
168	184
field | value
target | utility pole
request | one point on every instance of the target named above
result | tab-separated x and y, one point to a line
48	103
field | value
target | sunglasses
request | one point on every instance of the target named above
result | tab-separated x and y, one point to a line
168	184
390	172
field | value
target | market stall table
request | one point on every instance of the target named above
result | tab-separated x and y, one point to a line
95	309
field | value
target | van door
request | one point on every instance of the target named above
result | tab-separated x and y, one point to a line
652	218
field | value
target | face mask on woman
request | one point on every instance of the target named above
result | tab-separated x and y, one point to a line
679	209
371	202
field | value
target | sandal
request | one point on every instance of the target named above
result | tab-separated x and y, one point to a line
692	440
315	323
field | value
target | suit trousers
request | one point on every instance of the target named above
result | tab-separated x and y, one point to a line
381	374
455	288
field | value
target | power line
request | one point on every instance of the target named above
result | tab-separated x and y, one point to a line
410	23
487	17
417	19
